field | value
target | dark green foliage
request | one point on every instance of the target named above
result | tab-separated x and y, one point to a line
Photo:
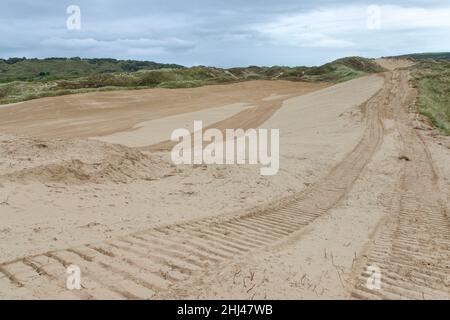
22	69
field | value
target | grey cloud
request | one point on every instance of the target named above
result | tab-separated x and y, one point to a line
215	32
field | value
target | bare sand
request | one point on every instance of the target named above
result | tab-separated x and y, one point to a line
104	113
151	132
140	227
319	261
395	63
63	194
327	258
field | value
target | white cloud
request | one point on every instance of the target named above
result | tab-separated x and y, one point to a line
339	27
401	18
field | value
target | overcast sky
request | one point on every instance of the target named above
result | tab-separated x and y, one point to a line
224	32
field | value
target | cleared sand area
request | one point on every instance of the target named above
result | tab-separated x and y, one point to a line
105	113
78	186
66	193
346	196
385	218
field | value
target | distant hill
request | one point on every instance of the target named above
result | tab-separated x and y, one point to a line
336	71
25	79
425	56
343	69
22	69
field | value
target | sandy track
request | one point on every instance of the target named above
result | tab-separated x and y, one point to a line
412	249
147	263
410	244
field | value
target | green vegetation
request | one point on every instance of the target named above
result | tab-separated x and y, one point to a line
343	70
337	71
25	79
432	79
21	69
17	91
425	56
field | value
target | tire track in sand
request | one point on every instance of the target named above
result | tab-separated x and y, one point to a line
412	247
146	263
